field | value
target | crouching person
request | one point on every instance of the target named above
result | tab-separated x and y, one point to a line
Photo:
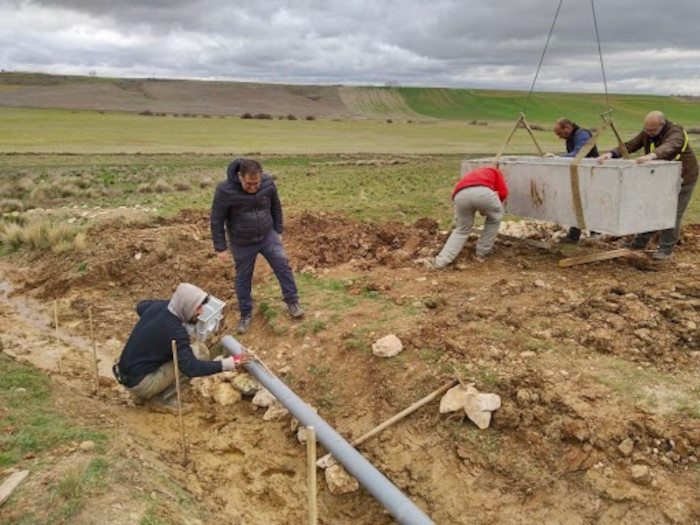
482	190
146	365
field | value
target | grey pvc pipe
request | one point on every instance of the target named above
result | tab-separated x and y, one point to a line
383	490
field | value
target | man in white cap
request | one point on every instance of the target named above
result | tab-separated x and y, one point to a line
146	365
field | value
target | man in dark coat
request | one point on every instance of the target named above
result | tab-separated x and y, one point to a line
146	365
663	140
575	138
247	206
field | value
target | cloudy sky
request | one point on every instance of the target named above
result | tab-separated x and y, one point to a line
648	46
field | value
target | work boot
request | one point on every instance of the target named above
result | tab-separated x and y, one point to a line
244	323
661	254
566	239
295	310
635	244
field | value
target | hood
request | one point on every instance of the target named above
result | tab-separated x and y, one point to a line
185	301
232	172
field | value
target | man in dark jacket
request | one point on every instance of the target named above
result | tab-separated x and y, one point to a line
146	365
663	140
576	138
248	206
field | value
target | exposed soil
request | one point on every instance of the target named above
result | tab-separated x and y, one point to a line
583	358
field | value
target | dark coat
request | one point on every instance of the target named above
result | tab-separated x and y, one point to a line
668	144
249	217
577	140
149	345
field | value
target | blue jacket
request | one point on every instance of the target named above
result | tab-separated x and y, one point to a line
577	140
149	345
249	217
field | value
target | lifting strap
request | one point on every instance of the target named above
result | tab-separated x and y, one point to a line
521	122
585	150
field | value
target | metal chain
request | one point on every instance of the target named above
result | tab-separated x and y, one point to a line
544	51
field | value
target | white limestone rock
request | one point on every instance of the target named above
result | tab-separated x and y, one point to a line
275	412
263	398
479	407
388	346
455	397
339	481
225	395
246	384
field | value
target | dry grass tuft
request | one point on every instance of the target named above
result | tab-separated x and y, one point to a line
58	237
10	205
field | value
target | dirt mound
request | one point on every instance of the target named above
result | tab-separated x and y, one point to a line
596	366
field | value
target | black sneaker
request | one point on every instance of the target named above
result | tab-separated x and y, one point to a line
244	323
296	311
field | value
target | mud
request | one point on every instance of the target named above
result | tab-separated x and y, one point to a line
583	358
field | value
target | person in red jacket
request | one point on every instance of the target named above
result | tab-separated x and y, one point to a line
483	190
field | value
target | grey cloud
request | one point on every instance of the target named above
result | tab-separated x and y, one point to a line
415	42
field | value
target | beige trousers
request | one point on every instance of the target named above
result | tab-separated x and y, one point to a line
164	376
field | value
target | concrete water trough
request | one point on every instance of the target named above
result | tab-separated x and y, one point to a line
618	197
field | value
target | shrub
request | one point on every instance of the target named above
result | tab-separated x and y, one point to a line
310	117
181	185
291	117
247	116
146	112
10	205
263	116
59	237
11	235
537	127
693	131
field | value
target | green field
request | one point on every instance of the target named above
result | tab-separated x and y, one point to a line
63	131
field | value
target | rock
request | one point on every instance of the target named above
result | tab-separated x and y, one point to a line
87	446
275	412
339	481
455	397
11	483
263	398
246	384
203	386
626	447
388	346
539	283
225	395
478	408
641	475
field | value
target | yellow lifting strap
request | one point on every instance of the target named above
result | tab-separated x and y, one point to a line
573	168
685	146
521	122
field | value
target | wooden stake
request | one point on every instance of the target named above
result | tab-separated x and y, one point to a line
311	471
94	352
55	323
179	403
593	257
327	460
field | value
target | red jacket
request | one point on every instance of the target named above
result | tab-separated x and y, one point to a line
489	177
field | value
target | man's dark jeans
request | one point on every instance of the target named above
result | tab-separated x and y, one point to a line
244	256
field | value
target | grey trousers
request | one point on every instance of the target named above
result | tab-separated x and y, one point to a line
466	203
669	238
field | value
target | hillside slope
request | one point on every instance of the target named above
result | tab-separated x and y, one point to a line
211	98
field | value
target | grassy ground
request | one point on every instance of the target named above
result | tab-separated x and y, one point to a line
395	187
545	108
